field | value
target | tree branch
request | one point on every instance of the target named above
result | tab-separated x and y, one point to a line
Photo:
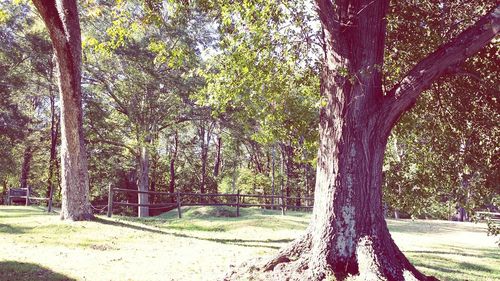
404	95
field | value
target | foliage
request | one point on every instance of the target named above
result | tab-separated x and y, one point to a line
247	73
444	151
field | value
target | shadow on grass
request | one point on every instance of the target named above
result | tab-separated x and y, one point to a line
22	211
20	271
239	242
5	228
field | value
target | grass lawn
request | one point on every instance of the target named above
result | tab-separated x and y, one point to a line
202	245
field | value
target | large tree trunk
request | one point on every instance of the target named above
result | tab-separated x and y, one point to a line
348	235
62	22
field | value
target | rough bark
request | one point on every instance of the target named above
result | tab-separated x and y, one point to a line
62	22
348	237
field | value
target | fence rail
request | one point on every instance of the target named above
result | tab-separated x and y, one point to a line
233	199
495	217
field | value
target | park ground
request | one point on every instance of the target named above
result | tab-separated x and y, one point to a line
204	244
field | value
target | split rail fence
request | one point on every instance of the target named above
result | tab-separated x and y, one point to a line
238	200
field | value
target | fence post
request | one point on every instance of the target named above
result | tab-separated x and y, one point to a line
27	196
283	204
110	200
238	203
51	194
178	199
8	197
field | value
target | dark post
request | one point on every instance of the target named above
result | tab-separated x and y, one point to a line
283	204
8	197
110	200
238	203
272	178
178	199
51	195
27	196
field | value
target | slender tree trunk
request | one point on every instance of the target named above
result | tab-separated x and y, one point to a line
154	167
203	159
255	153
306	184
62	22
348	235
282	181
54	133
143	181
398	159
273	164
4	191
173	158
26	167
288	154
218	157
204	134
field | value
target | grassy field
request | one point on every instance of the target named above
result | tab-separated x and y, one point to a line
205	242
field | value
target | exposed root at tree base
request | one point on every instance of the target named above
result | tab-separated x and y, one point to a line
298	270
79	217
290	265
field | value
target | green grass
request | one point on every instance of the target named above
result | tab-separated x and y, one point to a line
201	246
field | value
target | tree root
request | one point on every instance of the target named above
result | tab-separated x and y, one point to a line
291	252
296	262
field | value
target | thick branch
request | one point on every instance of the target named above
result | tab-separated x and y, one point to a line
50	15
62	22
404	95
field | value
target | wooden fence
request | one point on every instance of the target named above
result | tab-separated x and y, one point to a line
22	193
234	200
495	217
